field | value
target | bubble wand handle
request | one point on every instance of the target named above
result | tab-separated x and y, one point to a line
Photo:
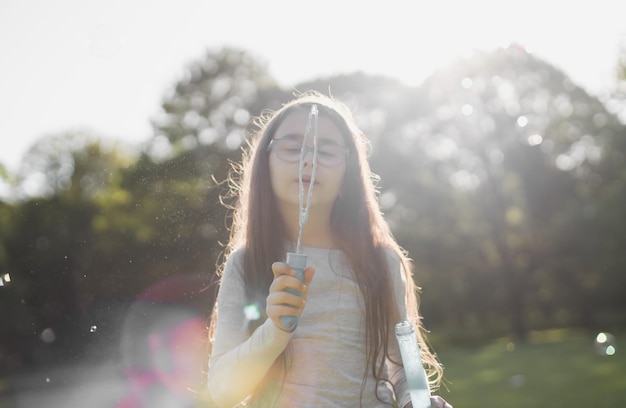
296	260
298	264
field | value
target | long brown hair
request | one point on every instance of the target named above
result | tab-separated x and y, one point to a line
356	221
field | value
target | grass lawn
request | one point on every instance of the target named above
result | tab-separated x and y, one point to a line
557	368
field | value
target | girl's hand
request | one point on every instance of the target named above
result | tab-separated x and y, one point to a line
279	301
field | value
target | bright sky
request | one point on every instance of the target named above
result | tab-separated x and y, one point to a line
105	64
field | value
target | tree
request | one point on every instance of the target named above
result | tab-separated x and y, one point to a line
493	153
51	240
212	104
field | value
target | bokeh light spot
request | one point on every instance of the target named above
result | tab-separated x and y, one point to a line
252	312
535	139
605	344
514	216
517	381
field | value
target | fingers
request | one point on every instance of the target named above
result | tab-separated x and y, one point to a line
308	275
281	268
286	302
285	279
287	295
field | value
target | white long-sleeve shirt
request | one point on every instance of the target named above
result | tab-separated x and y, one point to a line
326	353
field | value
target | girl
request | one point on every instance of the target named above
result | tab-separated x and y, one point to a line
357	286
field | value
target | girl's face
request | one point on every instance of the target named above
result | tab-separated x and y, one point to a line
331	166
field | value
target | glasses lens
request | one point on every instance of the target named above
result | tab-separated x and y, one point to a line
327	155
330	155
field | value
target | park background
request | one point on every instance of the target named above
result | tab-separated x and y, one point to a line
503	177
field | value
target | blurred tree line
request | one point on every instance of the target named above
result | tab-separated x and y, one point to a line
504	180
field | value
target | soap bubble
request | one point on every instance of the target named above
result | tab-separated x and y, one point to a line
517	381
48	336
605	344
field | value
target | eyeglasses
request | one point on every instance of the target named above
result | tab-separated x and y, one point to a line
289	150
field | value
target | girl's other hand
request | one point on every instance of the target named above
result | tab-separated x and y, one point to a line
283	303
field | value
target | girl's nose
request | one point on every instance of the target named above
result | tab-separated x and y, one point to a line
307	159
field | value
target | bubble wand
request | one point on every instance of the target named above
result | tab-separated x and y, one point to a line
296	260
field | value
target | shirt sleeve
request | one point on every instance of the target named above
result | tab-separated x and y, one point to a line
395	371
238	361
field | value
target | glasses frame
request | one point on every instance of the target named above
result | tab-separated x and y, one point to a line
307	149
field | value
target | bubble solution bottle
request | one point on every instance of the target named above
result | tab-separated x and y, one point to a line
413	368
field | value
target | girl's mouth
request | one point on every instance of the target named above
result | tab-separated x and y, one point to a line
306	184
305	180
